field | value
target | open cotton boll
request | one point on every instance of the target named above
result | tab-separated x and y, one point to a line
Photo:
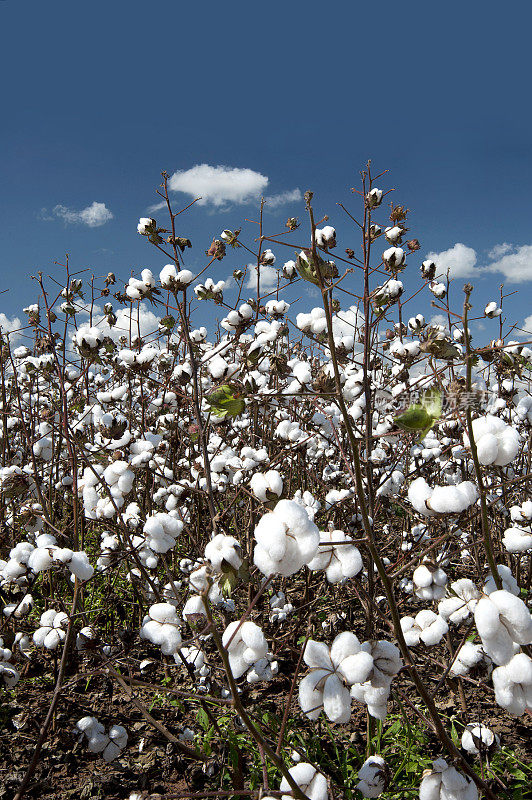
323	689
311	782
286	539
426	626
339	559
502	620
477	738
517	540
418	493
9	675
373	777
429	583
461	602
118	735
267	486
497	442
246	644
161	626
446	783
467	657
513	685
222	549
509	583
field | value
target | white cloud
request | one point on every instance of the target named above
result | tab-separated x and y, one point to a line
527	327
268	277
517	266
93	216
219	185
500	250
222	186
12	326
282	199
459	259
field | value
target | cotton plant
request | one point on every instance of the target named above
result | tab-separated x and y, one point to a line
336	557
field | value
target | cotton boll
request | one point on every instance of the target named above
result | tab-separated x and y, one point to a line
513	685
517	540
373	777
111	752
98	742
462	600
467	657
267	486
444	782
497	442
418	493
336	557
311	782
509	583
161	626
502	620
478	738
286	539
118	735
245	645
222	549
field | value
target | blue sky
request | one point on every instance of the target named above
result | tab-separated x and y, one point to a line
98	97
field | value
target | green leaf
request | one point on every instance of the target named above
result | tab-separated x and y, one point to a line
225	402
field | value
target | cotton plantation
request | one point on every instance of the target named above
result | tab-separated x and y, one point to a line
255	548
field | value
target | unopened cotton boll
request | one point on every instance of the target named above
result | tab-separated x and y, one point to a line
286	539
312	783
338	558
497	442
246	644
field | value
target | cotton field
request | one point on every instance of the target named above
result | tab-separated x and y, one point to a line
274	544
